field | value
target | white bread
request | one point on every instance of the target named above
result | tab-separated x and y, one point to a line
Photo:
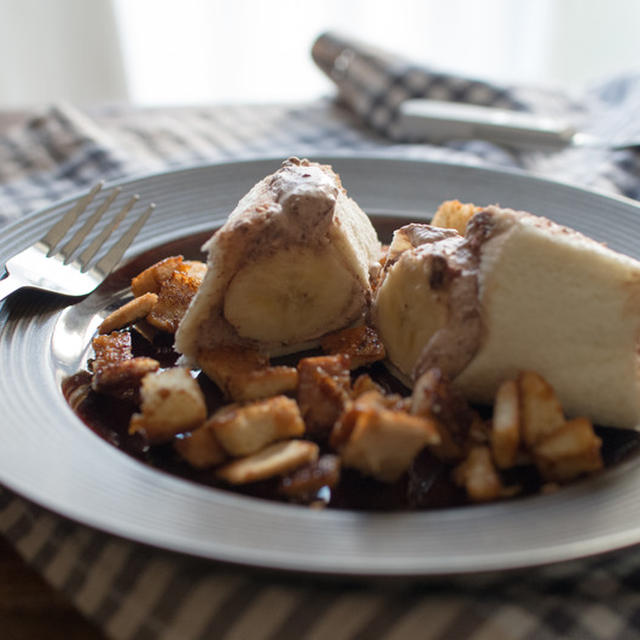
549	300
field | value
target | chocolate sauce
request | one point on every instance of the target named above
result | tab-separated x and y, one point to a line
426	485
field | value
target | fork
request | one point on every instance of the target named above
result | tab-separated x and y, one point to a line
51	265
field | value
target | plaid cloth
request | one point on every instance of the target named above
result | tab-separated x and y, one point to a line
132	591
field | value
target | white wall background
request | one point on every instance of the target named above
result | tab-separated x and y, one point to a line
183	51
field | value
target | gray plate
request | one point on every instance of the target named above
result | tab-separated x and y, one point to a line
50	457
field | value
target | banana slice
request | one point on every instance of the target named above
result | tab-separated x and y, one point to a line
420	301
406	328
291	296
295	260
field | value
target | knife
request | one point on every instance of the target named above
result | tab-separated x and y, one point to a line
426	120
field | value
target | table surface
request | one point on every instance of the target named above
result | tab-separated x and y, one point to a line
31	610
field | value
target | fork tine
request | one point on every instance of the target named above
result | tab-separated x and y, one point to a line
86	256
68	250
57	232
112	257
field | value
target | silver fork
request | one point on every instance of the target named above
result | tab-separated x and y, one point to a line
61	268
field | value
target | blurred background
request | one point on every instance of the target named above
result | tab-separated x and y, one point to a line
176	52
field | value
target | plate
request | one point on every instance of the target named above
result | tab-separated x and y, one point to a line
50	457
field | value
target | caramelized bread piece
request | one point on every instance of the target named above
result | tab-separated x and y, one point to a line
242	430
150	280
129	313
115	371
379	441
362	344
275	460
175	295
171	403
200	448
224	364
452	214
323	391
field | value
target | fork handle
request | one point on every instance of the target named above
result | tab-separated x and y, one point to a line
8	285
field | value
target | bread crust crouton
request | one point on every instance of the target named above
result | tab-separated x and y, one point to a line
379	441
323	391
478	475
569	452
171	403
122	378
175	295
275	460
200	448
362	344
452	214
224	363
129	313
149	280
505	431
114	370
243	430
262	383
112	348
540	410
305	482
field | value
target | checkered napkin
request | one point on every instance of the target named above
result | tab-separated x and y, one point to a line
134	592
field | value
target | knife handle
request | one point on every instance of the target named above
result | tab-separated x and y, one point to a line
422	120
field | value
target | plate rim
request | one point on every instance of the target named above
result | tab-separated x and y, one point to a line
493	169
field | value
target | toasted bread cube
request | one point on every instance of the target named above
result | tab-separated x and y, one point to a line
362	344
194	269
149	280
122	378
452	214
115	371
200	448
306	481
262	383
505	429
323	391
174	296
129	313
364	383
275	460
478	476
245	430
372	400
226	362
114	347
541	413
381	442
171	403
569	452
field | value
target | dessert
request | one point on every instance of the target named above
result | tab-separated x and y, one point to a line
515	292
279	388
294	261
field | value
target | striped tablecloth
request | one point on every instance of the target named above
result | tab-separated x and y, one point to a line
131	591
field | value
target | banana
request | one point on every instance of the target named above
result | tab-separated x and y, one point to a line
418	300
295	260
294	295
408	313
